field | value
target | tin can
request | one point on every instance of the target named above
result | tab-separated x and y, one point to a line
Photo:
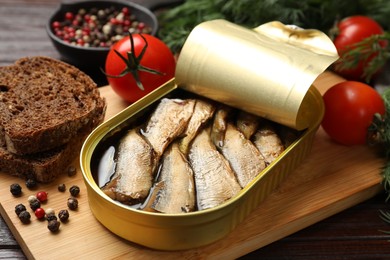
261	71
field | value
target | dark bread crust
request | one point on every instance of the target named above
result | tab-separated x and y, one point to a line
44	104
46	166
43	167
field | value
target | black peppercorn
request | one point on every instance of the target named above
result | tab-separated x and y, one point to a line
72	171
24	216
16	189
19	208
34	204
31	183
53	225
74	190
63	215
61	187
73	203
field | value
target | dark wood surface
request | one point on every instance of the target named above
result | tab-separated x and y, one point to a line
356	233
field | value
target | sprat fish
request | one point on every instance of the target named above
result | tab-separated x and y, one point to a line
268	142
134	172
167	122
214	178
247	123
243	156
219	125
175	189
203	111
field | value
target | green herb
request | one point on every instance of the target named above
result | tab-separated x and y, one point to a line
386	179
380	128
385	216
383	127
177	23
371	51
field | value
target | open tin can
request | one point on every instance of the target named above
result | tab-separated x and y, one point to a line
267	71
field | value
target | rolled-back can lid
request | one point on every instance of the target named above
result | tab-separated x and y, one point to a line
266	71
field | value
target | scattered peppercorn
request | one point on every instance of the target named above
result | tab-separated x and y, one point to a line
35	204
63	215
19	208
73	203
61	187
31	198
97	27
24	216
72	171
39	213
74	190
31	183
16	189
51	216
42	196
53	225
49	211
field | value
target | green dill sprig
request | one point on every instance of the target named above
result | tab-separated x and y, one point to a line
386	180
383	129
372	52
380	129
385	216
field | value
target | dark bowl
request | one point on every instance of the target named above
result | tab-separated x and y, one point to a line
92	59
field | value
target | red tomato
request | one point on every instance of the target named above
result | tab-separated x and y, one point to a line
157	56
352	30
349	110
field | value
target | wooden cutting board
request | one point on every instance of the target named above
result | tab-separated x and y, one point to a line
331	179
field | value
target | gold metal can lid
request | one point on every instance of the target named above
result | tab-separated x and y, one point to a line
266	71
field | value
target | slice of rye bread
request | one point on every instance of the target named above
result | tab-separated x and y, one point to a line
44	103
46	166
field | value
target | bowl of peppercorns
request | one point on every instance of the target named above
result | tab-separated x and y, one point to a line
83	31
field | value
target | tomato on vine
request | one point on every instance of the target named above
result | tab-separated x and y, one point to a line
357	46
350	108
138	64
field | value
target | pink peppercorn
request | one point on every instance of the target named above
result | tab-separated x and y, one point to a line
69	16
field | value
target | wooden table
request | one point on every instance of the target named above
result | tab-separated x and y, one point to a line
352	233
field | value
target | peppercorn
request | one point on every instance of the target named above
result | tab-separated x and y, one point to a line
39	213
73	203
42	196
51	216
49	210
31	198
19	208
63	215
74	190
16	189
61	187
24	216
72	171
31	183
35	204
53	225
